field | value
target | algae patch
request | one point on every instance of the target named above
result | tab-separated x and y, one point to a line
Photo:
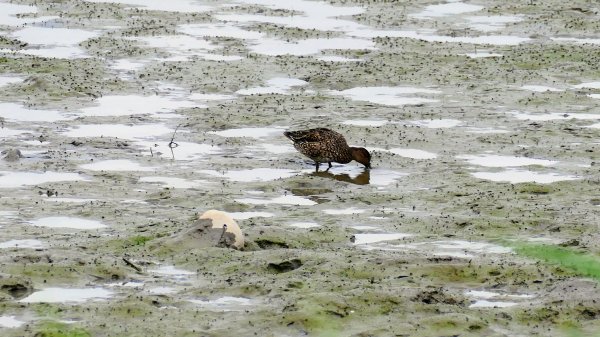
578	263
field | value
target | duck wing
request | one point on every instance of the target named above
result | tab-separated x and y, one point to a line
311	136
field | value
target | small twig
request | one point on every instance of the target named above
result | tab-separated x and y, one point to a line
172	143
222	234
129	263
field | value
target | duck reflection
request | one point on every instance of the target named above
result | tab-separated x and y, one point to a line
362	179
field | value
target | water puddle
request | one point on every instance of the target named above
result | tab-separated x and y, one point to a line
10	321
488	299
413	153
25	244
51	52
127	66
67	222
67	295
463	249
364	227
18	15
226	303
394	96
515	176
19	179
365	122
552	116
130	132
540	88
251	175
8	80
588	85
283	200
276	85
53	42
451	8
161	291
594	126
382	177
438	123
250	132
492	160
53	36
135	104
6	133
250	215
304	225
173	182
116	165
359	176
17	112
367	238
183	6
576	40
182	150
172	272
344	211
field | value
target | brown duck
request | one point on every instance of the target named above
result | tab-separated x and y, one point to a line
325	146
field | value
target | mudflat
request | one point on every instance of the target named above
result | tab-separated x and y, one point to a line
121	121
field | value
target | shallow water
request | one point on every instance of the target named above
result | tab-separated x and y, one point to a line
19	179
17	112
226	303
389	95
366	238
128	105
10	322
256	174
282	200
67	222
26	244
522	176
67	295
117	165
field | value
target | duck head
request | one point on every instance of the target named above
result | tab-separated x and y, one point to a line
361	155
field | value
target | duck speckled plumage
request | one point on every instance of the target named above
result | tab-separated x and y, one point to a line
325	146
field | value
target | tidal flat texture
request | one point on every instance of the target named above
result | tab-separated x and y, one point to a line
122	120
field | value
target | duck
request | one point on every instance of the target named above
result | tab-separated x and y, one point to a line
326	146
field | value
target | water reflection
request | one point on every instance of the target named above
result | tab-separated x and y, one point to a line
362	179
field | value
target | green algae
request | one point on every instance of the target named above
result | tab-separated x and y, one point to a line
57	329
578	263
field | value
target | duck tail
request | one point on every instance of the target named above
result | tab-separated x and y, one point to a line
289	134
